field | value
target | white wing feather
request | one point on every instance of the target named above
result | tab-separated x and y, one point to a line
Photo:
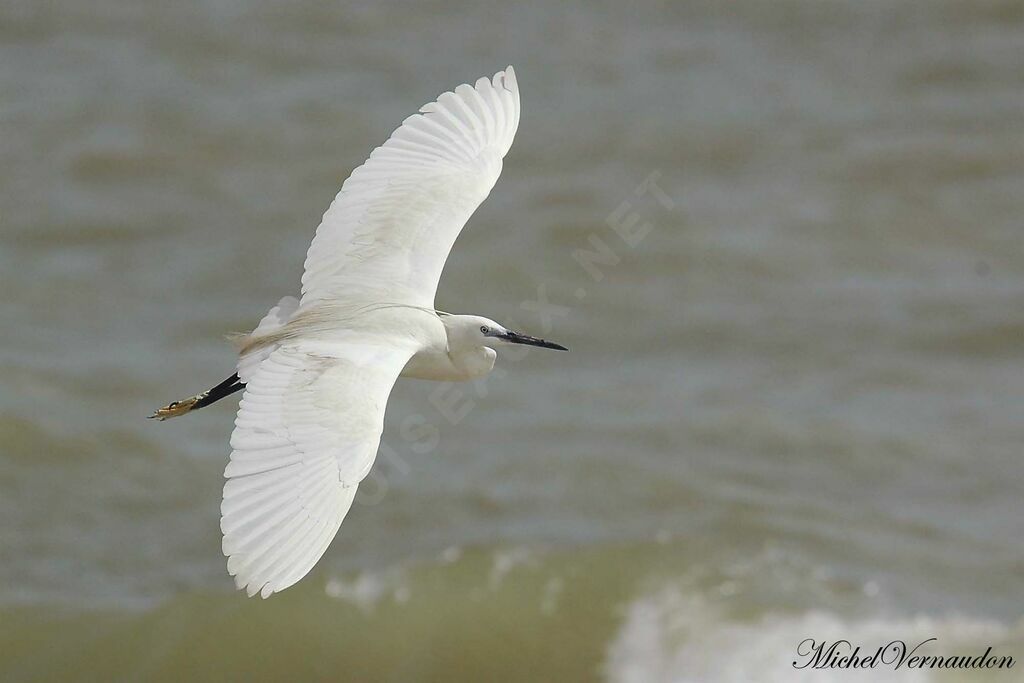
306	434
388	233
276	318
310	420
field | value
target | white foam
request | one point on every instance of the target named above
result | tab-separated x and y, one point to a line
669	637
368	589
507	560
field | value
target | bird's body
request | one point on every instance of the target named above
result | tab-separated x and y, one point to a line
318	369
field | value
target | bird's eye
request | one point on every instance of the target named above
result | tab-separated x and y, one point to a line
483	328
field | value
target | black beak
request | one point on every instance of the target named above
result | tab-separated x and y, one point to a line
516	338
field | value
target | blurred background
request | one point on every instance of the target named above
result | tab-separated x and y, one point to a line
794	408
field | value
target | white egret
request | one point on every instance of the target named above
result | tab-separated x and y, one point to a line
317	370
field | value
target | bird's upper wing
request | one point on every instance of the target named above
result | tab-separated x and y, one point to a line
387	234
306	434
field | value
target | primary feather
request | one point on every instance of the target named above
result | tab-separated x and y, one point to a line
388	233
306	434
317	383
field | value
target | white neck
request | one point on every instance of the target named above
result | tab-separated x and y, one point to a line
462	358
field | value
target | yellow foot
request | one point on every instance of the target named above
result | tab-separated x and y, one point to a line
176	408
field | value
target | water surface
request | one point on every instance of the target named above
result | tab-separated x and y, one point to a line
793	409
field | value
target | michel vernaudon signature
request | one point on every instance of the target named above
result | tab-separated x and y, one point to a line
842	654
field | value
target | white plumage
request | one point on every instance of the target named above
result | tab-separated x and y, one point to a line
305	436
312	413
317	371
388	233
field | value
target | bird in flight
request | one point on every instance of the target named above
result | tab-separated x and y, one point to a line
317	370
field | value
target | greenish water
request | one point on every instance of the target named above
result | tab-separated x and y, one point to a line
793	409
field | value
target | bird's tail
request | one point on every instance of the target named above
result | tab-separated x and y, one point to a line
176	408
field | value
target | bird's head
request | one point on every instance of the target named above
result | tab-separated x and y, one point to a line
468	331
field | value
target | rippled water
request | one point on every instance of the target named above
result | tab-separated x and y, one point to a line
793	408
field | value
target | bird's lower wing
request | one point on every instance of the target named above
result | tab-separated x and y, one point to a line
306	434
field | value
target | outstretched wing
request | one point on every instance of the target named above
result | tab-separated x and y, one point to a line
387	234
306	434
